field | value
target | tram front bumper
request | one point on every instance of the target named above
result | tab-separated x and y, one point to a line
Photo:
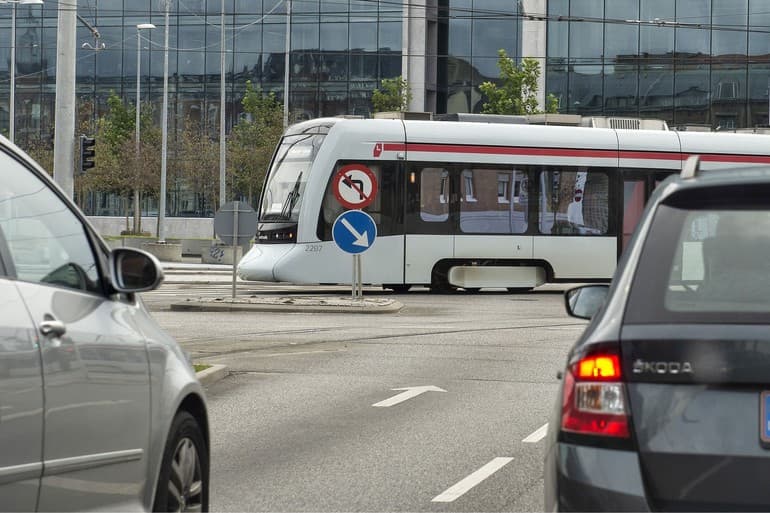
260	262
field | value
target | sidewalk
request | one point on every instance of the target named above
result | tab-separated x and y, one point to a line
191	272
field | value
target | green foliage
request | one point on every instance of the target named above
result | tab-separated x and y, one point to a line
253	141
197	162
551	104
40	150
517	92
119	123
394	95
120	168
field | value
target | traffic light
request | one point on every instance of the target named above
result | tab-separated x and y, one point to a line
87	153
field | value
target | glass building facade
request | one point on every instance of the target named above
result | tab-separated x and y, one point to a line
340	52
470	33
689	62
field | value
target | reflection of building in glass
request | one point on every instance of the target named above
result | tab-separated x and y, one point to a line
574	202
705	62
599	57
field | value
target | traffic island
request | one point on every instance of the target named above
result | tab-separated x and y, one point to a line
304	304
211	374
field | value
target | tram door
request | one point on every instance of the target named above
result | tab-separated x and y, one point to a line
638	186
431	211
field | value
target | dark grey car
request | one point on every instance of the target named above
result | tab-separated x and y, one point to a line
664	403
99	408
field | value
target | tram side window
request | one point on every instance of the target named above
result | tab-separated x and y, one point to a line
434	195
386	210
500	202
574	202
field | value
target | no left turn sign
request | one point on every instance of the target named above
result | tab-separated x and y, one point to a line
355	186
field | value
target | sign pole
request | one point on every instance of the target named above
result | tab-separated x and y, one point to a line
354	232
359	279
235	243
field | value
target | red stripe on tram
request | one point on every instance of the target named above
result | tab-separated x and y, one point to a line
575	153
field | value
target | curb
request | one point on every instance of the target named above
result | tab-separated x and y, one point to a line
191	306
208	377
202	282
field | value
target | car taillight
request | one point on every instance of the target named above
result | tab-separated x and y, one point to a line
594	401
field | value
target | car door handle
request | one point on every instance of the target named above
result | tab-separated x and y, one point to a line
52	328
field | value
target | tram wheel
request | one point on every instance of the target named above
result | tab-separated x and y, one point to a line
518	290
443	289
472	290
398	289
440	283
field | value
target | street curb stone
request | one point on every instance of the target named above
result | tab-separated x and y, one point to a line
208	377
291	305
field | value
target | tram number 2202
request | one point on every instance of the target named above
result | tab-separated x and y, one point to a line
313	248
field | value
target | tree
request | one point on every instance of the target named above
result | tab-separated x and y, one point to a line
196	163
253	140
119	168
40	150
517	92
393	96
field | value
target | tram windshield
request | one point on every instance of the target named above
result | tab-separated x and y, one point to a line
288	175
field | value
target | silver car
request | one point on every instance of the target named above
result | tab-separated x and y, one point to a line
99	408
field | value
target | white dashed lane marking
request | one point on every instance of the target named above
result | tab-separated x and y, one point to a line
537	435
458	490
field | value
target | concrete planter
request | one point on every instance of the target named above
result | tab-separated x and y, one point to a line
167	252
137	242
114	243
196	247
220	254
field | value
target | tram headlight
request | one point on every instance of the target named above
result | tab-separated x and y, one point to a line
277	235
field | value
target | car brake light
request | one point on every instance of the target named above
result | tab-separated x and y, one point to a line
594	401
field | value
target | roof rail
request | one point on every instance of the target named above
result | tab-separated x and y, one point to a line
691	167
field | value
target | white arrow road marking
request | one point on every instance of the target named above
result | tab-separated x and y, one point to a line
409	393
472	480
361	239
537	435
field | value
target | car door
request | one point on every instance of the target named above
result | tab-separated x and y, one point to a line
95	366
21	397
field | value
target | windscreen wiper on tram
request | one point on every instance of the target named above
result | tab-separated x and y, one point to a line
291	199
275	169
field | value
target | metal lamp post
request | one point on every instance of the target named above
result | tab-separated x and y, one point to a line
286	66
12	99
164	133
222	111
139	29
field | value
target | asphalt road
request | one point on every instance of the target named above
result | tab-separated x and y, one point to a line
294	428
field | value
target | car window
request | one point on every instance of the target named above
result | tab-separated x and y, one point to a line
705	265
47	243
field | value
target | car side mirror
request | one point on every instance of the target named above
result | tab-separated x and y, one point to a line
583	302
133	270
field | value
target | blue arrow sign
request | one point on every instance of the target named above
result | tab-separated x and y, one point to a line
354	231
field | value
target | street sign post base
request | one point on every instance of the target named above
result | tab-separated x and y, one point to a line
357	286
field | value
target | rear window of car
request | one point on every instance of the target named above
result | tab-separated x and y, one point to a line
704	261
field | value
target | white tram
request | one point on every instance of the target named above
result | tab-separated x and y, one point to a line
471	205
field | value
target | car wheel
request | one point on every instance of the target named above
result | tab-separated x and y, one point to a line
183	484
